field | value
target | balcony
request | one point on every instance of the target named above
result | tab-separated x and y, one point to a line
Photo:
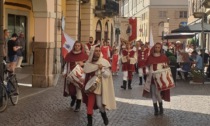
109	9
197	6
206	3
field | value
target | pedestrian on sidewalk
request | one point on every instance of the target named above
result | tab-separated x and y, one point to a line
104	98
129	59
5	46
12	52
75	57
20	52
157	61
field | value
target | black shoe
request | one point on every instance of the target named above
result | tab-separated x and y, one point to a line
105	119
90	120
21	66
73	101
161	108
78	104
124	84
129	84
155	109
140	80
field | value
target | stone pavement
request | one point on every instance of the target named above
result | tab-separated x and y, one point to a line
189	106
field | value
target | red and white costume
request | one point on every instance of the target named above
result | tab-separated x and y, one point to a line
128	65
115	62
105	50
142	57
87	48
156	63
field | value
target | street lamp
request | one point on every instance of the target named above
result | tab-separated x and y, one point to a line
201	15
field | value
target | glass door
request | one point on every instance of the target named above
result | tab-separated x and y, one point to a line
17	24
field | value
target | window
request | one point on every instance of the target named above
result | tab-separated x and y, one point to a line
162	14
183	14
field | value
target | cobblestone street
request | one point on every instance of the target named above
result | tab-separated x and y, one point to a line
189	106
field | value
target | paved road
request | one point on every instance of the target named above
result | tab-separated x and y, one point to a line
189	106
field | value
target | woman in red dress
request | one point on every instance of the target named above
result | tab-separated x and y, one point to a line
76	57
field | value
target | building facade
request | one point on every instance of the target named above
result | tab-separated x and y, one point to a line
40	21
156	17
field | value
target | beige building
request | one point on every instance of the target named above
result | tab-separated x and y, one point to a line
40	21
155	17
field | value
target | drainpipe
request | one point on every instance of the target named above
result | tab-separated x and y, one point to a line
79	23
1	37
56	36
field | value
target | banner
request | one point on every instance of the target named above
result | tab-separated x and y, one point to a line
151	40
67	44
133	31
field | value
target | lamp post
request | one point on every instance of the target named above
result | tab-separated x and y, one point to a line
201	15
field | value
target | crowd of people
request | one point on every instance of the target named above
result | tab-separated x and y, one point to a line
13	50
89	69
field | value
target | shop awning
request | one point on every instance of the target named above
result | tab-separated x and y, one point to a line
179	36
193	28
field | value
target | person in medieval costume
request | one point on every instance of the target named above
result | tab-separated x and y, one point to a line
103	96
129	58
143	54
88	45
158	90
105	50
75	57
115	62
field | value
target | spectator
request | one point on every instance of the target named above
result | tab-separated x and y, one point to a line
12	52
5	49
197	60
20	52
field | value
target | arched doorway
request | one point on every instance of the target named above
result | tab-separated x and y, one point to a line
98	30
106	32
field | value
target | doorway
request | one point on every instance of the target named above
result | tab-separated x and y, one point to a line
18	24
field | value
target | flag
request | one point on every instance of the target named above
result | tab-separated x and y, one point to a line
67	44
151	40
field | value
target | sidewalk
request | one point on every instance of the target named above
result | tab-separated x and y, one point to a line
24	77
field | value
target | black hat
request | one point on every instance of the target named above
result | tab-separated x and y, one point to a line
14	35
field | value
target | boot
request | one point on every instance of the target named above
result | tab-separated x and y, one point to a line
73	100
155	108
129	84
124	84
105	119
161	108
78	104
90	120
145	78
140	80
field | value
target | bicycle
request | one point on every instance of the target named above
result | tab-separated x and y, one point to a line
9	89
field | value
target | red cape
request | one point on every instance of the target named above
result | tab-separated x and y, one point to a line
71	57
155	60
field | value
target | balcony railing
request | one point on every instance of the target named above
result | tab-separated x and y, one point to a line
109	9
197	6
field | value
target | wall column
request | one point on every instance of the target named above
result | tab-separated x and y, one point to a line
43	49
72	15
87	21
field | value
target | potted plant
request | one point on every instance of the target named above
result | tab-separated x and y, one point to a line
197	75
